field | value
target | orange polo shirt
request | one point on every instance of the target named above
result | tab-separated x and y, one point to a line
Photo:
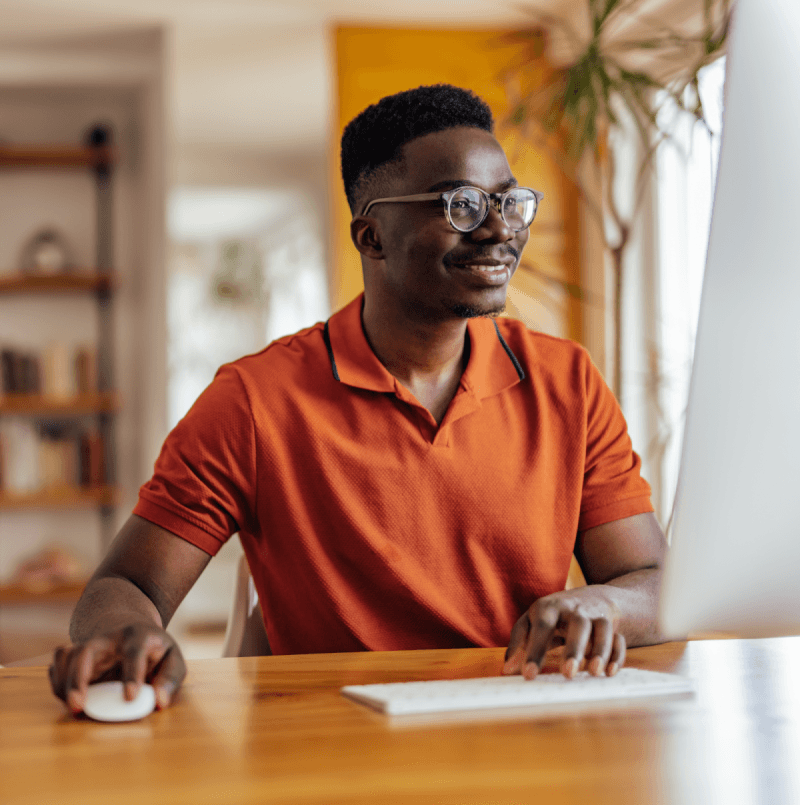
366	525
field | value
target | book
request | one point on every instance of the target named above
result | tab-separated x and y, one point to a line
59	372
59	381
85	368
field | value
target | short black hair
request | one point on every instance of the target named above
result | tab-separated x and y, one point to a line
374	139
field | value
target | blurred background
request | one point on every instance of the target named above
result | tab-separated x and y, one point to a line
170	200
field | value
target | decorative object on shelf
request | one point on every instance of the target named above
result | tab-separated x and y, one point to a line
52	566
46	253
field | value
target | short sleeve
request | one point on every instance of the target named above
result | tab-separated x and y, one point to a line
613	487
204	482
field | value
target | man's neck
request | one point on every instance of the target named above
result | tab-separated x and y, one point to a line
428	358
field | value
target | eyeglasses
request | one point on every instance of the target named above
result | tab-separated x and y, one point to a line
466	208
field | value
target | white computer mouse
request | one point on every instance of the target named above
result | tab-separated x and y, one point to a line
105	701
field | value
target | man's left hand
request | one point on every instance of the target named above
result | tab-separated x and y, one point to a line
584	621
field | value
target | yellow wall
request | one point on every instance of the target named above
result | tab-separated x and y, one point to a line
374	62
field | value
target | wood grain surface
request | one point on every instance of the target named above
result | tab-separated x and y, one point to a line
277	730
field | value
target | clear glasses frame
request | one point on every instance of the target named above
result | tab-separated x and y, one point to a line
496	200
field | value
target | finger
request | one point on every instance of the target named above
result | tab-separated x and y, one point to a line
57	672
86	663
579	630
75	683
515	652
544	619
169	677
602	644
617	655
139	653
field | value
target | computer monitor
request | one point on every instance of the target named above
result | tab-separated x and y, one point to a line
734	561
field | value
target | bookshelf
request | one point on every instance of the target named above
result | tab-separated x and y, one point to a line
60	497
96	156
42	405
59	593
81	281
99	404
53	94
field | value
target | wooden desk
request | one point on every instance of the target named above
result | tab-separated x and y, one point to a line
276	730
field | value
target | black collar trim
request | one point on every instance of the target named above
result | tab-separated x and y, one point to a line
507	348
327	338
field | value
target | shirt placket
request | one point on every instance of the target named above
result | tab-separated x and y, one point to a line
438	435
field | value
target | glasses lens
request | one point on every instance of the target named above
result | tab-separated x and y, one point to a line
519	208
467	209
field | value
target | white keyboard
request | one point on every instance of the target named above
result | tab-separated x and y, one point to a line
444	695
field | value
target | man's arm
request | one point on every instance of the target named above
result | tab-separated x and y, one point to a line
622	563
118	626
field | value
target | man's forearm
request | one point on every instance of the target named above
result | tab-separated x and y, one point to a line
635	596
108	604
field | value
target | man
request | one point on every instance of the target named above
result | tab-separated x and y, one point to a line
412	473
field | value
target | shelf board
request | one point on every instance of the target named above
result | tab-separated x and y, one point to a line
55	156
62	497
36	404
79	281
64	592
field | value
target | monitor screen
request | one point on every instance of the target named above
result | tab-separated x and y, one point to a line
734	562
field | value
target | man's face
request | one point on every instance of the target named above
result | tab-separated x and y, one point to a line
431	269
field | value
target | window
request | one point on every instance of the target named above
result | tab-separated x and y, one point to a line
246	267
686	166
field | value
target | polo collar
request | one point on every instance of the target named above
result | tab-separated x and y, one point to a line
492	366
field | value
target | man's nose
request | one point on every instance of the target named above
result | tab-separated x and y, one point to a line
493	228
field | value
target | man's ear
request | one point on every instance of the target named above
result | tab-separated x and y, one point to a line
366	237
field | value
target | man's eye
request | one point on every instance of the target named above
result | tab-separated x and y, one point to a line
464	204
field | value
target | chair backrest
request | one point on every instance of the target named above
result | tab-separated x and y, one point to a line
575	577
245	635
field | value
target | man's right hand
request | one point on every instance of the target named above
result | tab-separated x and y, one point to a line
118	626
141	652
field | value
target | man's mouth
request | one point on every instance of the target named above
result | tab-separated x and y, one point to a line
485	267
485	273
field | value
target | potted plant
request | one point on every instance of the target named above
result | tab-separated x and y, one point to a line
610	79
